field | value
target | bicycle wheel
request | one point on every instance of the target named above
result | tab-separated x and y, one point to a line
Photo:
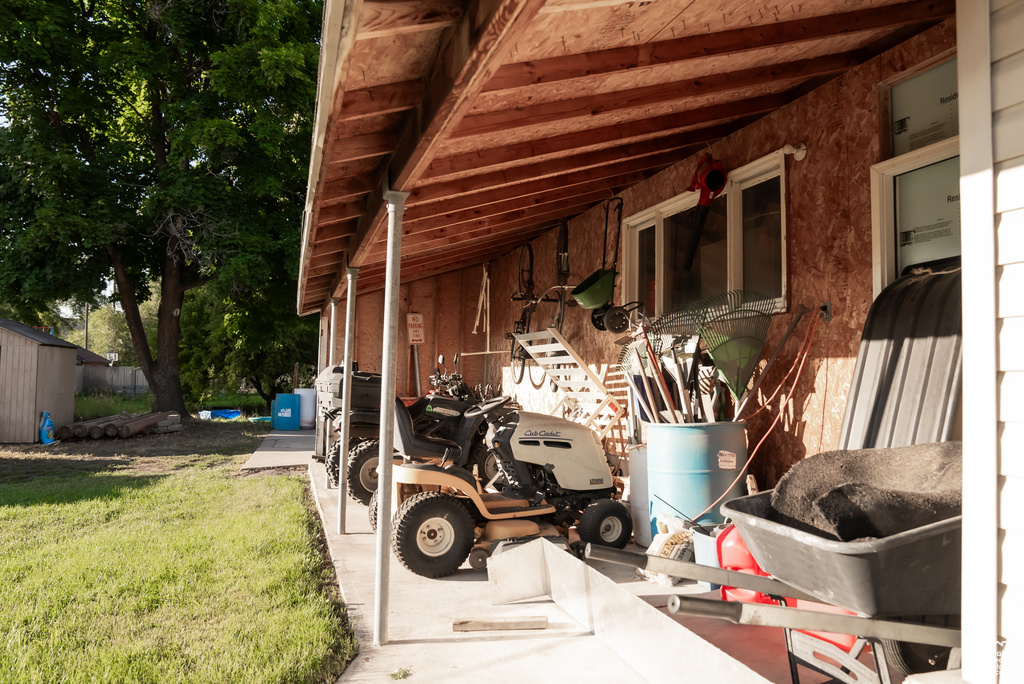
518	355
526	270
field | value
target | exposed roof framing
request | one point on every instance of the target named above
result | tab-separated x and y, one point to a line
502	118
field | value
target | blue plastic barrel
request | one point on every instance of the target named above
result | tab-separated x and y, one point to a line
690	465
287	412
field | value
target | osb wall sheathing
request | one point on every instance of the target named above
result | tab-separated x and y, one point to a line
448	303
828	248
829	260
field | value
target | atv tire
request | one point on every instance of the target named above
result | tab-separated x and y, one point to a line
372	511
606	523
433	533
362	470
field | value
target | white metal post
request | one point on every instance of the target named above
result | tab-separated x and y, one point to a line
324	433
389	376
334	332
346	395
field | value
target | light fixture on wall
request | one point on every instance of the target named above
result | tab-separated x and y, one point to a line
799	151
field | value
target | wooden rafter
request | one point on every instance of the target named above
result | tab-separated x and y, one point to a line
565	67
382	18
616	178
662	125
647	96
366	146
520	182
509	210
630	150
467	62
484	229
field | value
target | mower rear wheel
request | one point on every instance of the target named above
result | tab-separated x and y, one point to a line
607	523
486	462
433	533
362	470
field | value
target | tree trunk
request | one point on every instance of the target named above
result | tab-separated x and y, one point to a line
162	372
167	374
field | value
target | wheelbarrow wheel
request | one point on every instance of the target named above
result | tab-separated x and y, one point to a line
606	523
909	658
433	534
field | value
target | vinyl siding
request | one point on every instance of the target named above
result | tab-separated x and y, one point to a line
1007	50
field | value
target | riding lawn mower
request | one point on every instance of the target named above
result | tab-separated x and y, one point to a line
556	475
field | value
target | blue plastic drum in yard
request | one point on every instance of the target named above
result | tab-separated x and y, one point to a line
286	415
690	465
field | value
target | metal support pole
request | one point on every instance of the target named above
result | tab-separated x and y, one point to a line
389	376
334	332
346	392
323	432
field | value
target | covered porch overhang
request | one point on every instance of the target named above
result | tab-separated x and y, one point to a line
502	119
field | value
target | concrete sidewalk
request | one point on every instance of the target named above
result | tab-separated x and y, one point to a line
420	632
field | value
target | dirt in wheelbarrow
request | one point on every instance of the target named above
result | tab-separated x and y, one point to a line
197	443
871	493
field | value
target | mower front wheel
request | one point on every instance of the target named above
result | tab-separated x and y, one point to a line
607	523
433	533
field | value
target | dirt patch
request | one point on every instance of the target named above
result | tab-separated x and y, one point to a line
197	443
273	472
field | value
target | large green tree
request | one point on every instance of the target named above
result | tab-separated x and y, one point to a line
247	331
153	143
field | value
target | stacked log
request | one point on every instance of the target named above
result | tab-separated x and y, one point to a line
166	419
123	424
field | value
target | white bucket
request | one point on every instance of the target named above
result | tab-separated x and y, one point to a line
639	501
307	407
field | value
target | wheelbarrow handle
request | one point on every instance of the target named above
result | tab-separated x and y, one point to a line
692	571
795	618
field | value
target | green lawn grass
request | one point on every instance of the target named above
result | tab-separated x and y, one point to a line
89	406
163	567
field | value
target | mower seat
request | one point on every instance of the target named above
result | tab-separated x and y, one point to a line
415	446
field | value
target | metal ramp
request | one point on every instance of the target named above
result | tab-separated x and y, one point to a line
585	399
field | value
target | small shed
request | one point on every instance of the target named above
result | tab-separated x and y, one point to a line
37	373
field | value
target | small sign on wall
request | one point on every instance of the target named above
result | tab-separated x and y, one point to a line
414	321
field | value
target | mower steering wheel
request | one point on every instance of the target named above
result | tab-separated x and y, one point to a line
486	407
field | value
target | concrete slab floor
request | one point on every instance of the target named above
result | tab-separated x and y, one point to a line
283	449
420	635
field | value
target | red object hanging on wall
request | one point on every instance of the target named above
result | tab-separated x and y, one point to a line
709	179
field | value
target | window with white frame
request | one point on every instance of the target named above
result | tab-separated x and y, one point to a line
742	244
915	195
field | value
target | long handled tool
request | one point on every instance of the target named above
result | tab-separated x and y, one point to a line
659	378
655	418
